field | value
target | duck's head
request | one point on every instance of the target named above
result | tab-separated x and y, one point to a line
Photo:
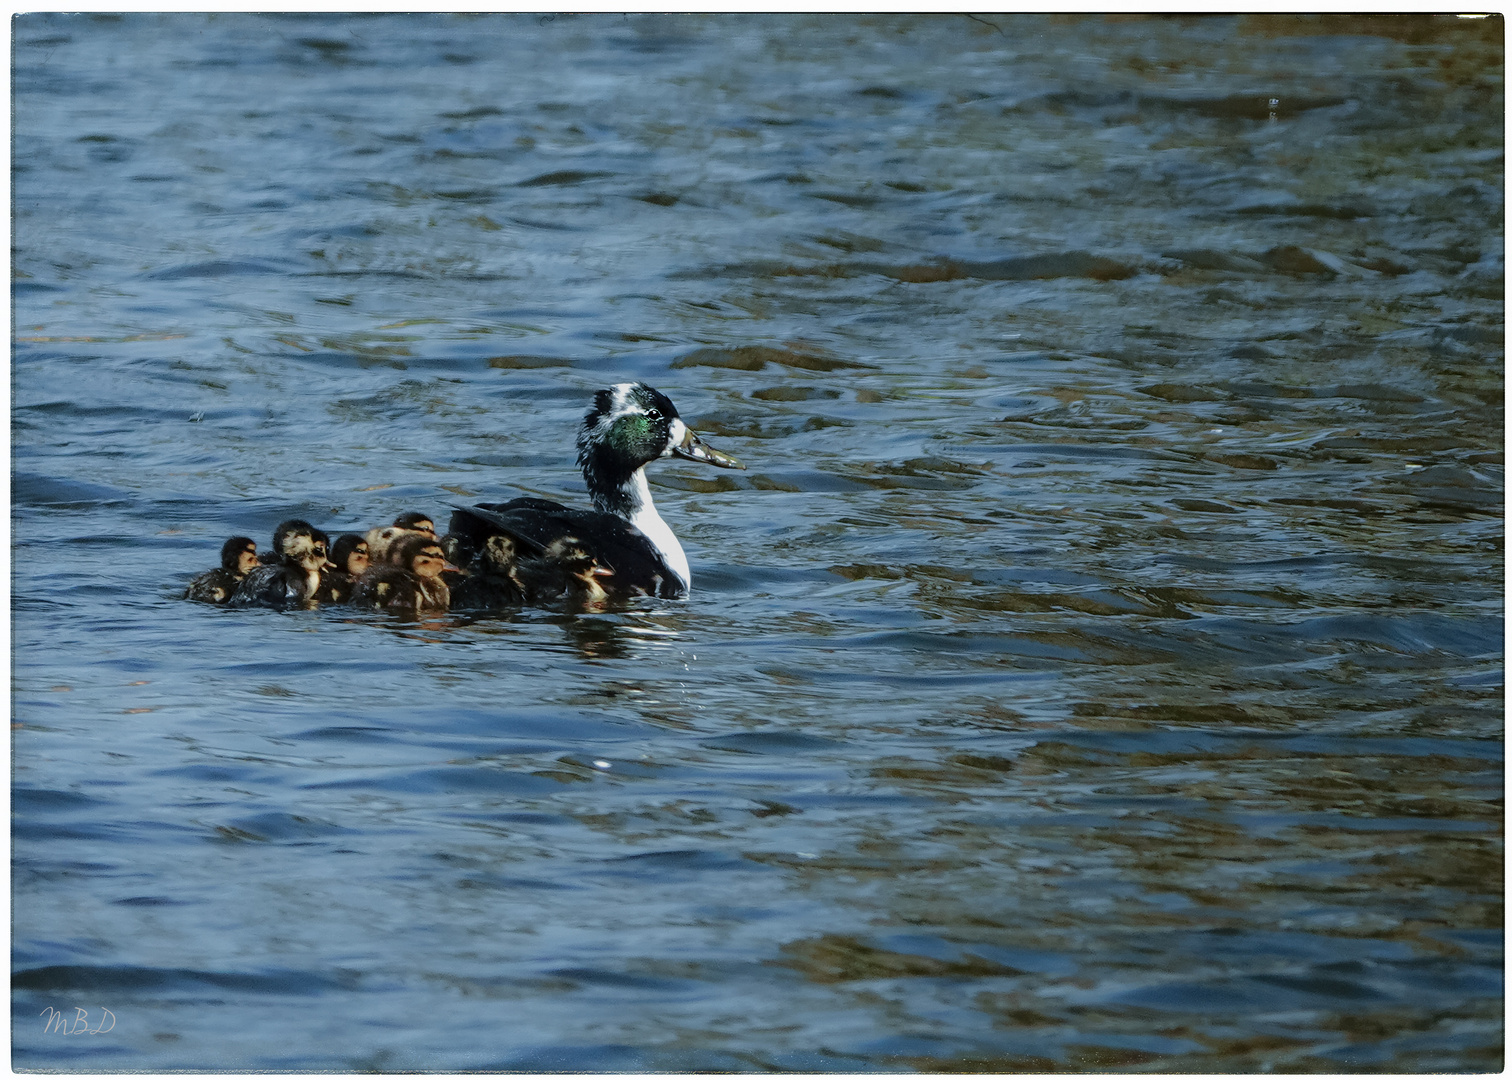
630	426
286	529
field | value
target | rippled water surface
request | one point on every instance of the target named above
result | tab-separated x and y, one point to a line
1098	668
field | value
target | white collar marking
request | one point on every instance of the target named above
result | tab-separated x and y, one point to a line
644	517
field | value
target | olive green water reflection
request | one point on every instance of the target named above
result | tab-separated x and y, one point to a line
1098	667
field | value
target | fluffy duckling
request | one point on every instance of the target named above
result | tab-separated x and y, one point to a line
410	582
295	579
491	581
272	556
381	541
348	562
564	570
465	537
238	558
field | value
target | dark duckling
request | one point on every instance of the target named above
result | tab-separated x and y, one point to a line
238	558
629	426
295	579
412	582
490	581
499	576
348	562
564	571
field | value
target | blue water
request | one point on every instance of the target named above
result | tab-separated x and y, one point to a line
1098	667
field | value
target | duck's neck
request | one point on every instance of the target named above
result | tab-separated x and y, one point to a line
631	500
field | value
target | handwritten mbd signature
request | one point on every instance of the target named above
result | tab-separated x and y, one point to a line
58	1022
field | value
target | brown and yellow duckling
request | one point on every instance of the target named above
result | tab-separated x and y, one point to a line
490	581
411	581
382	541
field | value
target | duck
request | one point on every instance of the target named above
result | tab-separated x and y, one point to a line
295	579
621	547
410	582
238	558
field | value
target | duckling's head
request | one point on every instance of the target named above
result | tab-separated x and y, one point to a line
498	554
420	555
585	574
300	544
416	522
284	531
629	426
239	555
383	542
350	554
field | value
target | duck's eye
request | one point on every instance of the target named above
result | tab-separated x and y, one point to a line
652	414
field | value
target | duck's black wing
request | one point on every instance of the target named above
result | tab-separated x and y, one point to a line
612	541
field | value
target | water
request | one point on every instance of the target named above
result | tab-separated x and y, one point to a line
1098	668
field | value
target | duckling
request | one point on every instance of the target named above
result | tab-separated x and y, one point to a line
381	540
565	570
412	582
465	536
499	576
490	581
295	580
348	562
629	426
238	558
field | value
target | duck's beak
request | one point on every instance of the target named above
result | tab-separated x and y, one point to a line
695	449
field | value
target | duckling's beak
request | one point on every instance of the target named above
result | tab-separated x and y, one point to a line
695	449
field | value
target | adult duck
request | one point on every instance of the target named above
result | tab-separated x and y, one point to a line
631	549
